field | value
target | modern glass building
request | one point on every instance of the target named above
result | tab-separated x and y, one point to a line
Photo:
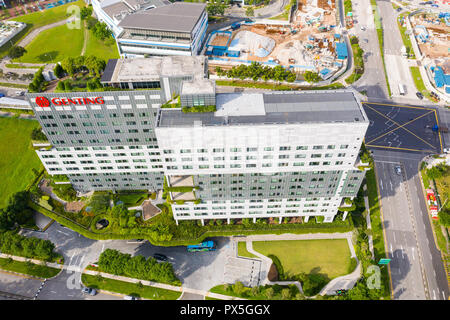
259	155
154	27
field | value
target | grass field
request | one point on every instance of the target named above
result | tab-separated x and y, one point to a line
128	288
38	19
47	46
242	250
420	86
330	257
48	16
98	48
18	158
30	269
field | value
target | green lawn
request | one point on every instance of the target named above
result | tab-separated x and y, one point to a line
48	16
420	86
18	158
30	269
129	288
330	257
46	47
131	200
243	252
98	48
38	19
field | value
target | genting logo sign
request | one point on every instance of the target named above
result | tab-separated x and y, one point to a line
43	102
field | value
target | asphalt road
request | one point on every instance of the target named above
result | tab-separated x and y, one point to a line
373	80
201	270
397	67
417	271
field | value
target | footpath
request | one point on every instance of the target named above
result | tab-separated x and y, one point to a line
339	283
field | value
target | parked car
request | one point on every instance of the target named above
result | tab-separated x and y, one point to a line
160	257
2	95
398	170
89	291
419	95
434	95
399	9
130	298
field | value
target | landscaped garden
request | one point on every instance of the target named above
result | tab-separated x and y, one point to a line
330	257
19	164
38	19
54	45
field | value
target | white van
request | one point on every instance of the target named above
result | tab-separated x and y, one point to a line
401	89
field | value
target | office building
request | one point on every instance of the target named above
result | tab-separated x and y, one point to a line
259	155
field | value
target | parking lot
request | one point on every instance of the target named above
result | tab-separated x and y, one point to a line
407	128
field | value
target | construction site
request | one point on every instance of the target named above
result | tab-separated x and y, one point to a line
432	32
309	42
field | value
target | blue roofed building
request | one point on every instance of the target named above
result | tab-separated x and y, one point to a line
341	50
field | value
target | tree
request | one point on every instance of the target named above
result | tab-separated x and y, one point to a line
286	294
67	85
101	31
60	86
311	76
249	12
99	203
58	71
68	64
215	8
85	12
438	171
444	217
37	134
93	84
238	288
16	52
269	293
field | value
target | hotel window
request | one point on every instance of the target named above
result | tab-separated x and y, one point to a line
268	149
235	149
285	148
344	146
317	147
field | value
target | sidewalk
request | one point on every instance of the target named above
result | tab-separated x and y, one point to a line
125	279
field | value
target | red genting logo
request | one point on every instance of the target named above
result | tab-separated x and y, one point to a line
42	102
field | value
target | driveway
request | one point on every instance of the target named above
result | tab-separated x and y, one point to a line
196	270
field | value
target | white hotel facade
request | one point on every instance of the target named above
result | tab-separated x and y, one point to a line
260	155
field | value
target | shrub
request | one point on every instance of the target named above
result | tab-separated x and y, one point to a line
238	288
115	262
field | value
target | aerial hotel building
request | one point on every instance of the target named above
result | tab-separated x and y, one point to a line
259	155
154	27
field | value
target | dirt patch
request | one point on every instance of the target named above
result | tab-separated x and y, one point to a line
74	206
273	273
